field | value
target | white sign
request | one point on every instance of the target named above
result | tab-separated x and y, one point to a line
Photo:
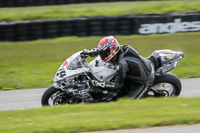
172	27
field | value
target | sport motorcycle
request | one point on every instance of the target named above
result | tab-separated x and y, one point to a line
73	80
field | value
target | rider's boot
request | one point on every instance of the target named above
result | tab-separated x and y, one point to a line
137	91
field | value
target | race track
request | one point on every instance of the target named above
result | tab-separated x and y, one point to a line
30	98
165	129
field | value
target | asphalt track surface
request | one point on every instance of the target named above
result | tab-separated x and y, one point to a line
167	129
30	98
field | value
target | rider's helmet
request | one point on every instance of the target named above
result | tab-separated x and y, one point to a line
108	47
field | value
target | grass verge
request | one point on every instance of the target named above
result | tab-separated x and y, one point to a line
33	64
96	9
123	114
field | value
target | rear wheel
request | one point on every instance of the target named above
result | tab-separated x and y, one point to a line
166	85
53	96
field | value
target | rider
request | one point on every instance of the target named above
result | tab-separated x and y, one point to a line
129	64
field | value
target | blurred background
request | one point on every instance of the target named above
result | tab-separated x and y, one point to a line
36	36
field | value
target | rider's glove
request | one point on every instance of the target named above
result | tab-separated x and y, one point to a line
85	53
92	52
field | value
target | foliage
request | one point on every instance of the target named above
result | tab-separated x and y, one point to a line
32	64
123	114
96	9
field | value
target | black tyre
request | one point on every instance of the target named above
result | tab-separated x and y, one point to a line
53	96
166	85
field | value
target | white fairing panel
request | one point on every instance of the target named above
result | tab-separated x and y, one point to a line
102	71
63	72
65	69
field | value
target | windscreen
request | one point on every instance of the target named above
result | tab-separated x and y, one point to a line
76	62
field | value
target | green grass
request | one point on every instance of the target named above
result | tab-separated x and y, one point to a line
33	64
123	114
96	9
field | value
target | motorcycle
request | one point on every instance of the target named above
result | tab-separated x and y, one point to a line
72	81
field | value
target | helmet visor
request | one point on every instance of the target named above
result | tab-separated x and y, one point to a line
104	53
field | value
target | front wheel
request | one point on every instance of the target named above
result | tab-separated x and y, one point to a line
53	96
166	85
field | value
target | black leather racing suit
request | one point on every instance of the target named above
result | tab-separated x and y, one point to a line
132	67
